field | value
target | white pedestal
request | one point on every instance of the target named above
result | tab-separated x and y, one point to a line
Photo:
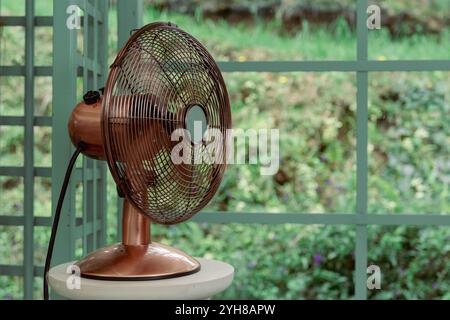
214	277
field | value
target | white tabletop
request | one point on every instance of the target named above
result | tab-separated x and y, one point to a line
214	277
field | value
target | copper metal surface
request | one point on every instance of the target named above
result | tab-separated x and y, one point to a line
136	226
160	73
85	126
138	262
157	77
136	258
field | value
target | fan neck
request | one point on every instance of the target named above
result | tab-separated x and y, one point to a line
136	226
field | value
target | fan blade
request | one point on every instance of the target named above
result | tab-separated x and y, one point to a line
144	125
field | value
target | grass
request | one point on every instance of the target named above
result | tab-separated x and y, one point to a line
263	41
409	149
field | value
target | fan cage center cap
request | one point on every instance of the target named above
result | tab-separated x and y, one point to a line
196	123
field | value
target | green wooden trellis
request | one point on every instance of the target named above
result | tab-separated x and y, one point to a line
68	64
362	66
70	67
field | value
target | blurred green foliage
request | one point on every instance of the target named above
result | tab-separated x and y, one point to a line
401	17
409	164
317	262
420	7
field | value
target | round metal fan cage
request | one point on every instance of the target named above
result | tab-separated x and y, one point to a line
160	74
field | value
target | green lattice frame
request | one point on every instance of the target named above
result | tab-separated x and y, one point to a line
361	66
361	220
65	82
68	65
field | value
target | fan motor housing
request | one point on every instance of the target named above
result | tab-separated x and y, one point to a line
85	127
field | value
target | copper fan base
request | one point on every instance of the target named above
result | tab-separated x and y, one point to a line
137	262
137	257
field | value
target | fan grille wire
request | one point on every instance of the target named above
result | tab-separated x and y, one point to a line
160	73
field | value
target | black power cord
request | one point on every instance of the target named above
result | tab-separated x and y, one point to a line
55	223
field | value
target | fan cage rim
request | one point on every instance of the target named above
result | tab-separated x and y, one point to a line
110	83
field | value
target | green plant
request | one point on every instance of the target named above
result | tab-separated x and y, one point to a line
409	172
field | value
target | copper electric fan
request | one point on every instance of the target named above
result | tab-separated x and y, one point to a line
162	80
